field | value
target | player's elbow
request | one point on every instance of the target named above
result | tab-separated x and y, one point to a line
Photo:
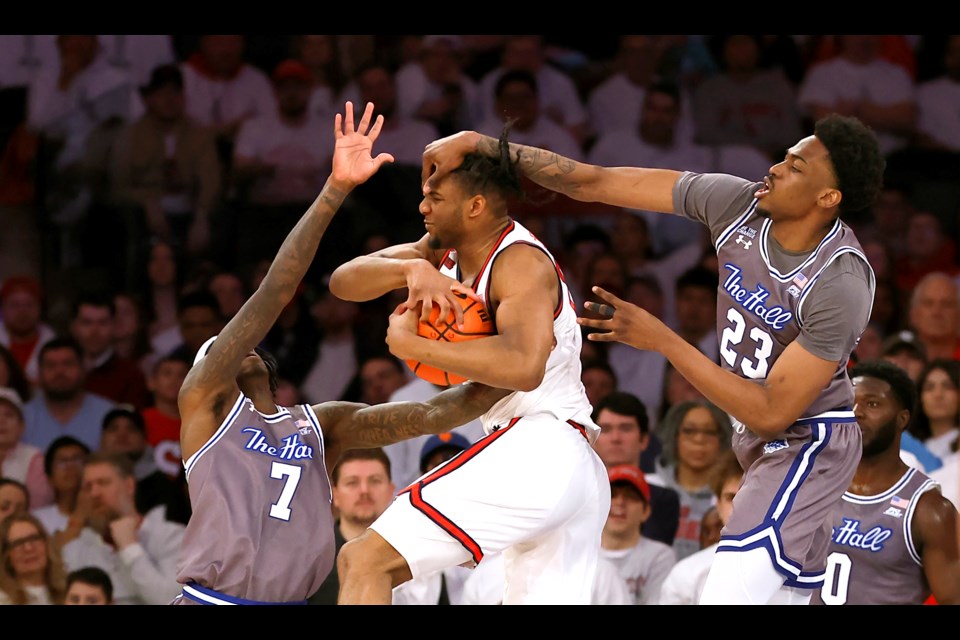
339	282
529	378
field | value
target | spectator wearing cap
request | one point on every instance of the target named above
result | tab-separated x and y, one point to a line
435	88
125	432
63	407
18	460
362	490
642	562
906	351
165	175
625	438
22	329
107	374
280	162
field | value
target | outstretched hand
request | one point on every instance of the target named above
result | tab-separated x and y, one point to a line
442	156
623	322
353	162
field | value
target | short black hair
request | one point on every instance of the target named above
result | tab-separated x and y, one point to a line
900	383
856	158
626	404
97	299
488	175
61	342
94	576
56	445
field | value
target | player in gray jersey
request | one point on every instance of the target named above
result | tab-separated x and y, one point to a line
795	294
894	534
262	529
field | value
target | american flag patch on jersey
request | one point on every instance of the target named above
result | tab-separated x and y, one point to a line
800	281
900	503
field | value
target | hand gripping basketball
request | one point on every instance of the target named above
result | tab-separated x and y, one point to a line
476	324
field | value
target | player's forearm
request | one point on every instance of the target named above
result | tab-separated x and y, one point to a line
746	400
369	277
493	361
300	246
632	187
459	405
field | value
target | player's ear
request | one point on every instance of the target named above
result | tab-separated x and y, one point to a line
477	205
829	198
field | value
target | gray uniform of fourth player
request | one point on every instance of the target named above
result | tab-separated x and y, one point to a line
767	298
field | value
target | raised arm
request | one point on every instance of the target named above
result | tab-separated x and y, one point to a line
631	187
356	426
352	165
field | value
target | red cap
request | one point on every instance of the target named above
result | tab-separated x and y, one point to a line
20	283
633	475
292	69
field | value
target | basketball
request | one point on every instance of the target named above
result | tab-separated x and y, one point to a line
476	324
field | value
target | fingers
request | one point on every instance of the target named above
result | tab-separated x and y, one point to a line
425	310
426	170
348	119
457	313
461	288
382	159
375	129
338	127
365	119
606	296
602	309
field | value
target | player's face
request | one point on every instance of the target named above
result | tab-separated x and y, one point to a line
620	441
253	373
442	211
796	185
876	411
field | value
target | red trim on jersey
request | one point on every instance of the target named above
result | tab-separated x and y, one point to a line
447	262
496	245
579	427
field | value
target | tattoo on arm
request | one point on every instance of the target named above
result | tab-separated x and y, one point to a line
546	168
392	422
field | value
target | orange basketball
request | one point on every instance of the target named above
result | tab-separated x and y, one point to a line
476	324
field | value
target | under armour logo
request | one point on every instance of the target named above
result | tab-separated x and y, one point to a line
746	243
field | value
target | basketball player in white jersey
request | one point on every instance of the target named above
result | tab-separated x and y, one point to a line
795	294
533	487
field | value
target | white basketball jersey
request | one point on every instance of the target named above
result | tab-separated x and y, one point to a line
561	393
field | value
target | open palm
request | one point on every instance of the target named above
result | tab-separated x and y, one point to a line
353	161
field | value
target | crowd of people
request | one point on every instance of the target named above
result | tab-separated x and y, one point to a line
148	184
